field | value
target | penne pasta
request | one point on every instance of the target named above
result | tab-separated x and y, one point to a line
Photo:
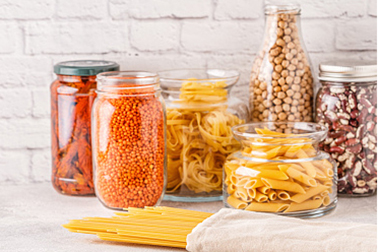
306	205
283	185
267	207
283	195
299	198
301	177
236	203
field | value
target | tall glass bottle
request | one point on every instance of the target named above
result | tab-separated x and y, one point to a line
281	84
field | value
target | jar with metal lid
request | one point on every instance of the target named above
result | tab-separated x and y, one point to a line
281	83
72	95
280	169
347	104
128	136
200	114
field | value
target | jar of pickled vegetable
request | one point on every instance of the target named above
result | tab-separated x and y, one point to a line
200	114
128	130
347	104
280	169
72	95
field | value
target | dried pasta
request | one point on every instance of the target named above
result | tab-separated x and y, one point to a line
280	186
199	137
161	226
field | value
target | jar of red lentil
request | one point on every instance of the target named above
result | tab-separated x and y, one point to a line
347	104
200	115
72	95
128	129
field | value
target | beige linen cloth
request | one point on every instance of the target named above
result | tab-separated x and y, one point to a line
236	230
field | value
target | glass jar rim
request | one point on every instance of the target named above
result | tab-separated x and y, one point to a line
121	80
275	9
187	74
316	132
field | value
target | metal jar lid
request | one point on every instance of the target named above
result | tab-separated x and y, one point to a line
348	71
85	67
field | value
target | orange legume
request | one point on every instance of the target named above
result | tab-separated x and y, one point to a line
129	149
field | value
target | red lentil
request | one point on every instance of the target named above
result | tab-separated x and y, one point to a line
129	148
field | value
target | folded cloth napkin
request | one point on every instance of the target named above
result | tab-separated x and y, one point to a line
236	230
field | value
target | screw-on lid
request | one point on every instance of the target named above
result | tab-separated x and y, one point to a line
348	71
85	67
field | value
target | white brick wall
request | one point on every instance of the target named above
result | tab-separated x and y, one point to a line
151	35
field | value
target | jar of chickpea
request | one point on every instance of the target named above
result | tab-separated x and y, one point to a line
281	84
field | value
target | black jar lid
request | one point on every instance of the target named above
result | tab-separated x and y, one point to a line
85	67
348	71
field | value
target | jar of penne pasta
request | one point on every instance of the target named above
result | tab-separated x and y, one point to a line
280	169
128	136
200	115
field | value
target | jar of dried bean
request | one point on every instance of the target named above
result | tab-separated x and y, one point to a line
281	84
200	114
72	95
347	104
280	169
128	129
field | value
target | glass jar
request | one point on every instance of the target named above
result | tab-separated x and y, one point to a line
347	104
281	84
128	133
283	173
72	95
200	114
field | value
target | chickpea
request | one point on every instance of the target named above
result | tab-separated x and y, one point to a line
282	116
277	109
286	107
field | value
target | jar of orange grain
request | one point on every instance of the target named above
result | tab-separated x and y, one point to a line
128	139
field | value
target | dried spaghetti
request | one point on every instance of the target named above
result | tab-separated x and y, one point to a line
199	137
162	226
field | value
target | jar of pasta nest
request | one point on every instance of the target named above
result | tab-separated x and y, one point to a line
200	115
280	169
128	129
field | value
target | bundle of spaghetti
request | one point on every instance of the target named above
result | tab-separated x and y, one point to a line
199	137
161	226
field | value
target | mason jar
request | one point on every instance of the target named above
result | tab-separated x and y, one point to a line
72	95
281	83
200	114
280	169
347	105
128	139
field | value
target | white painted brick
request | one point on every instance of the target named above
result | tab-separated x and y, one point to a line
75	37
25	133
372	8
357	35
154	36
121	9
238	9
41	165
318	35
19	71
14	165
41	102
15	103
21	9
328	8
221	37
155	63
82	9
8	36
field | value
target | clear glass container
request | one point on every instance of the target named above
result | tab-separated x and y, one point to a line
200	114
346	103
128	132
280	169
281	84
72	96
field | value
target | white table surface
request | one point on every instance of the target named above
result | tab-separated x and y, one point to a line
31	217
